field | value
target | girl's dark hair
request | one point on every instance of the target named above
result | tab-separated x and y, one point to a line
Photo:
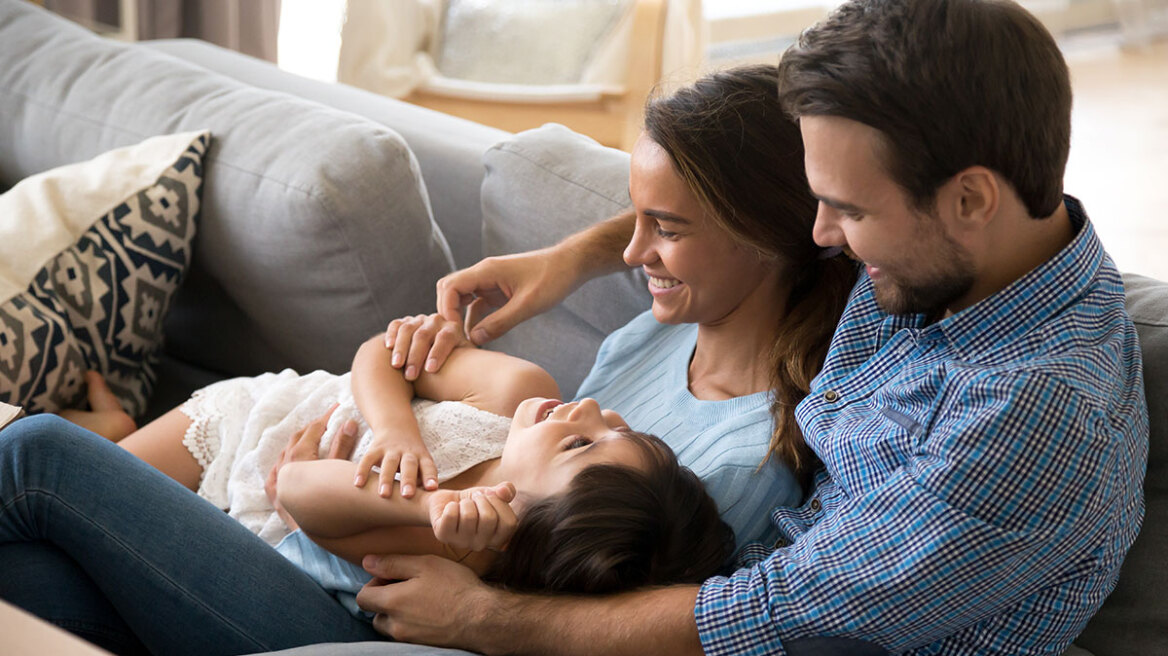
617	528
949	83
742	156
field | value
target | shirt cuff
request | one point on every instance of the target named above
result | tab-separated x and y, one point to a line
733	617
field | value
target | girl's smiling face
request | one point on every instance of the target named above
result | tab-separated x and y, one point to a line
551	441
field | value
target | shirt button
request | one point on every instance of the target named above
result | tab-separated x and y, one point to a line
780	543
816	506
831	396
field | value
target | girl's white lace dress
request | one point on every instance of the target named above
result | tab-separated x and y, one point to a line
240	426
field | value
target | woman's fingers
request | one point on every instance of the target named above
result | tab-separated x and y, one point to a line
306	443
344	442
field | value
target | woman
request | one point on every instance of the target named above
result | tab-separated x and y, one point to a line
744	302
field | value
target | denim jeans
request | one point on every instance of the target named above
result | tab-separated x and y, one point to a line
102	544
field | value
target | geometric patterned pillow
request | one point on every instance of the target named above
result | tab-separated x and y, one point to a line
90	256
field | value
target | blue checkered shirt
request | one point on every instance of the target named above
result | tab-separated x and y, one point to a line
982	475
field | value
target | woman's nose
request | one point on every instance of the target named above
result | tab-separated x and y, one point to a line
639	252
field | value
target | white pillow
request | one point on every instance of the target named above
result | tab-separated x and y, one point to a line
524	41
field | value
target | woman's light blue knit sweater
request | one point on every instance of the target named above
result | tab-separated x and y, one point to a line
641	372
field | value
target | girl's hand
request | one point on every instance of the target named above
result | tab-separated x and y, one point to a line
303	445
474	519
422	343
391	452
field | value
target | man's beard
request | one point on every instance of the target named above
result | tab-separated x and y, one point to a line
946	279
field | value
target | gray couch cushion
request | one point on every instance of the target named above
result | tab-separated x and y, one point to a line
541	186
316	229
449	149
1134	619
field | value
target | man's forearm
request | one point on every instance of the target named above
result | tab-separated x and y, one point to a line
599	250
659	621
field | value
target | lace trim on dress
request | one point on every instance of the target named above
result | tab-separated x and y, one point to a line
202	436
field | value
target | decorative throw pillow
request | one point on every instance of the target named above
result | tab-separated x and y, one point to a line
90	256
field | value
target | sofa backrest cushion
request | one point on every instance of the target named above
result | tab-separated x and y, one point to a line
316	228
541	186
1134	619
449	149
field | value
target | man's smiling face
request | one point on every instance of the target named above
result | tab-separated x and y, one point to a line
914	263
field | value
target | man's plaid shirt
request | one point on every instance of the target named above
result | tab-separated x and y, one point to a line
983	475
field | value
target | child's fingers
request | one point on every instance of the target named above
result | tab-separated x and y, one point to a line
420	345
401	343
445	339
505	491
488	522
506	519
409	474
389	465
365	466
446	526
391	333
429	473
468	520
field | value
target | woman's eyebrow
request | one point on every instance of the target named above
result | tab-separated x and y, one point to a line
666	216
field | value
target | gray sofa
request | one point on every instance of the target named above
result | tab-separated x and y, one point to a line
328	211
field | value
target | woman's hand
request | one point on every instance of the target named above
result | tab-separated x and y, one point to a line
517	287
422	343
474	519
394	450
303	445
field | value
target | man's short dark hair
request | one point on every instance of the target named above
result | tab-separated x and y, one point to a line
949	83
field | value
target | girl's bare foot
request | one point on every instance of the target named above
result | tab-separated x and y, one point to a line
106	417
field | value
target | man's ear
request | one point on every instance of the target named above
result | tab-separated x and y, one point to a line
977	197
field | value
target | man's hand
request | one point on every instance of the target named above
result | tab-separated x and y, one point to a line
433	600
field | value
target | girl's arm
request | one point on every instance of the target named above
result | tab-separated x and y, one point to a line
352	522
319	496
490	381
383	396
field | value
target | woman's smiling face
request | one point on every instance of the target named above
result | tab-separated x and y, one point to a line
698	272
551	441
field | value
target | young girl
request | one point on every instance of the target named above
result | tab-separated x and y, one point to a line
600	507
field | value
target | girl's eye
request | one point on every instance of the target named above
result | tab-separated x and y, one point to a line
579	442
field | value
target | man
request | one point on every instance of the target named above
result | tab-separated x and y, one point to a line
980	415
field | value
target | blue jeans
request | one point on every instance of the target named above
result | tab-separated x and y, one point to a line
102	544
